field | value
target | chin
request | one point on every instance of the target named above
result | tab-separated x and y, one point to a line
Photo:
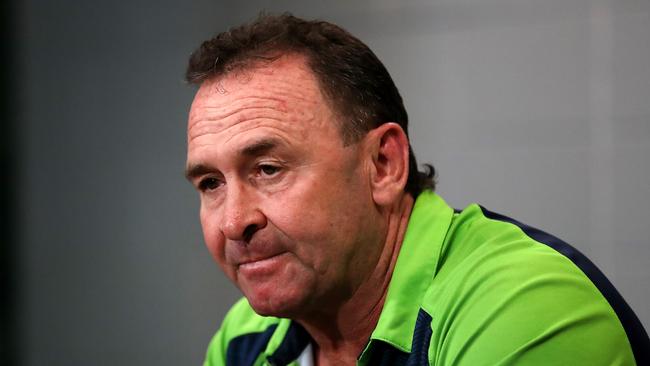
280	303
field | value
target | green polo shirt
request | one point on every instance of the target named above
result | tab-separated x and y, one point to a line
468	288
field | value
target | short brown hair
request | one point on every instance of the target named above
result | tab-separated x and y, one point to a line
356	83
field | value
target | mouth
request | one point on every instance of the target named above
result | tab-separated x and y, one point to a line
262	266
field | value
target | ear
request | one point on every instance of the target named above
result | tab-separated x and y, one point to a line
389	171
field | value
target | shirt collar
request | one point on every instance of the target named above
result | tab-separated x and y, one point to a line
415	268
287	343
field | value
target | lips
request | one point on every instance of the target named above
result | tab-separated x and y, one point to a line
260	248
250	261
262	266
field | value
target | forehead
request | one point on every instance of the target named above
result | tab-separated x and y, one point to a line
281	94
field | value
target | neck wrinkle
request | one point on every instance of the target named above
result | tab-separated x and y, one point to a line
340	337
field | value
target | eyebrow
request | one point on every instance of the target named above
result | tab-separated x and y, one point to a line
195	170
259	147
256	148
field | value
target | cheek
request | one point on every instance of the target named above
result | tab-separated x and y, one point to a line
214	239
317	221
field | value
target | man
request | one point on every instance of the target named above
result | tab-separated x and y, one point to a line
312	204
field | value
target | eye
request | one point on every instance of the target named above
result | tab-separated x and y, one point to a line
209	184
268	170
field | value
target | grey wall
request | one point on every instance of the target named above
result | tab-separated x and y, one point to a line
113	267
536	109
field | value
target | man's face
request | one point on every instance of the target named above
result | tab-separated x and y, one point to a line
286	208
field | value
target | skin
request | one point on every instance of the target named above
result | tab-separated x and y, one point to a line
307	228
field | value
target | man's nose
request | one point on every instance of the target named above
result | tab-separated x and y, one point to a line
242	216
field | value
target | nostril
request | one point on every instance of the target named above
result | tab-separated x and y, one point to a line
249	231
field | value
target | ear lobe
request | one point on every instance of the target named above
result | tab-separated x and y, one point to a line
390	157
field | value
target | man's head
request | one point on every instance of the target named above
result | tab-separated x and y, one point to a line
296	182
353	80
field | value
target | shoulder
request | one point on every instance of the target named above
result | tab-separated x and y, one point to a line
503	295
241	327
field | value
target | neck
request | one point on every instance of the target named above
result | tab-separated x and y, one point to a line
341	334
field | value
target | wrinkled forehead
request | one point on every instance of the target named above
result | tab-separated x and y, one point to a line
284	78
285	90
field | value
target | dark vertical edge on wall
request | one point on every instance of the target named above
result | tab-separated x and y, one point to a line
8	288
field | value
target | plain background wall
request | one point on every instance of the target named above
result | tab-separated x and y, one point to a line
536	109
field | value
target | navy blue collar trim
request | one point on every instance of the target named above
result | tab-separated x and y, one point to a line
244	350
295	341
384	354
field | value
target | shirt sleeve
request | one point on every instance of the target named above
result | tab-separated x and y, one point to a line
536	310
